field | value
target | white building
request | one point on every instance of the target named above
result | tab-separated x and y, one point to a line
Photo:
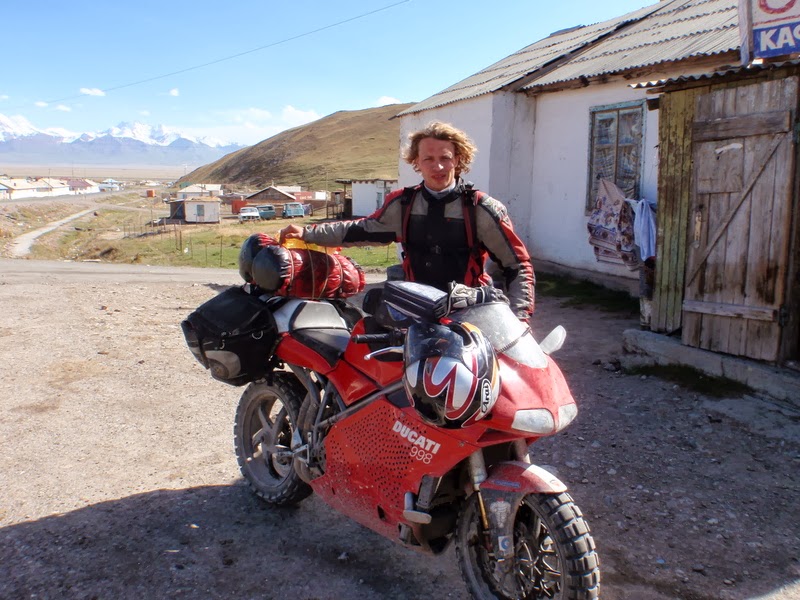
200	190
369	194
35	187
552	118
201	210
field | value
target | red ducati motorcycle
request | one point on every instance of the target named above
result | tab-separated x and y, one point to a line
415	424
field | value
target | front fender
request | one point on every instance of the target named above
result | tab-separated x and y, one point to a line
503	491
518	477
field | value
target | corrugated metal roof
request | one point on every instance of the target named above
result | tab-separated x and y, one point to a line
668	31
526	61
699	77
676	32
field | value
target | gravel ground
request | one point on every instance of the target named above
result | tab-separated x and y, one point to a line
118	478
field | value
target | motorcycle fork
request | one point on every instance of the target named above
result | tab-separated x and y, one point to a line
478	474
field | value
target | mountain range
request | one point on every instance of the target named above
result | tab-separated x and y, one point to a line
126	144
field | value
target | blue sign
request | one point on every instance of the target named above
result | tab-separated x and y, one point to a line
781	39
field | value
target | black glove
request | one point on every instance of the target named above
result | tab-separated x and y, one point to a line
463	296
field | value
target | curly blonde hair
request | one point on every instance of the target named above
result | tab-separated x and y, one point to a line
465	148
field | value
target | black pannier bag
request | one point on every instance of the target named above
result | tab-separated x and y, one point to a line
233	335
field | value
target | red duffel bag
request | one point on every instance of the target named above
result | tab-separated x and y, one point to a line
298	272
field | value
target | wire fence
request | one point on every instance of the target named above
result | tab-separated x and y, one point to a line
174	237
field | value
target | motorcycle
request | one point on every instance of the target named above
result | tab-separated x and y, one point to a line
417	425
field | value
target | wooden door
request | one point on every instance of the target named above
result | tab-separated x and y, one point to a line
740	219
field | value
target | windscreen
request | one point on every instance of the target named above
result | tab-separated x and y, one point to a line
507	334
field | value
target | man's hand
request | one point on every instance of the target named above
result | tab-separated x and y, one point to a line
463	296
290	232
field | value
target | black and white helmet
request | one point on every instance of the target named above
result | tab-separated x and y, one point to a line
451	373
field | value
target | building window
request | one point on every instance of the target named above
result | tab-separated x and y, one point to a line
379	199
616	149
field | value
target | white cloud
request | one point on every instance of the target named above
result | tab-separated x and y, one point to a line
174	92
144	113
40	104
384	100
3	97
63	108
294	117
92	92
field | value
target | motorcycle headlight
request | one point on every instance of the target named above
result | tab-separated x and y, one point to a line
534	420
540	420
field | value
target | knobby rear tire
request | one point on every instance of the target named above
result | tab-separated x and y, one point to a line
265	420
554	552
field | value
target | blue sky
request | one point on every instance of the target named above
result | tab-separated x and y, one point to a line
244	70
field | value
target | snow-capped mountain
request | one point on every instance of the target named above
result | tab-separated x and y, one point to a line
125	144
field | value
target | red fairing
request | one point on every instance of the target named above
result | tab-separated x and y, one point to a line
524	387
351	383
378	455
383	372
293	352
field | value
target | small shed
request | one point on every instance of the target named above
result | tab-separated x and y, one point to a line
369	194
195	210
728	256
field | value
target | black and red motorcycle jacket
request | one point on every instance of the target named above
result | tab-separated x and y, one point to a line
443	240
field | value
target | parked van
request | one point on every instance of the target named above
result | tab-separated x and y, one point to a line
267	212
292	209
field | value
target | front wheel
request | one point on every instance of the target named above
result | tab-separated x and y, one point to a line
265	420
554	553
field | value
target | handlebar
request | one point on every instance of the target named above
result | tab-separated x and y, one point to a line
368	338
395	337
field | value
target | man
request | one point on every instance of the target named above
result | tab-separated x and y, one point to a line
447	229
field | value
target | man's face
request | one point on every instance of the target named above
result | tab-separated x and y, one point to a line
437	162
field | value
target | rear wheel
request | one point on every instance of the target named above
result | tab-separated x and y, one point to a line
265	420
554	553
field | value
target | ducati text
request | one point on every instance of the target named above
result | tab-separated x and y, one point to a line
415	438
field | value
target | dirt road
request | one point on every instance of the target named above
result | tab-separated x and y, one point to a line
118	479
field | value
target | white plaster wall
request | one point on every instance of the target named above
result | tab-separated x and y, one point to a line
557	226
363	198
210	212
365	194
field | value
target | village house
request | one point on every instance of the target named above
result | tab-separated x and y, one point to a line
272	195
200	190
83	186
110	185
634	102
369	194
195	209
35	187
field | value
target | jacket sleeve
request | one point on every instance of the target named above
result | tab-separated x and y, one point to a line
384	226
497	235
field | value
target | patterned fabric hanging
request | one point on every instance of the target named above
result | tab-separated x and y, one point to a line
611	227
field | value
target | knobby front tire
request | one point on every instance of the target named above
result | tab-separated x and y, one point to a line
554	553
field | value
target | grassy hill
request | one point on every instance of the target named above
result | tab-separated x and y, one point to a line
358	144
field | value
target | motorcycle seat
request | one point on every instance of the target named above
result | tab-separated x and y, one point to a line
317	325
